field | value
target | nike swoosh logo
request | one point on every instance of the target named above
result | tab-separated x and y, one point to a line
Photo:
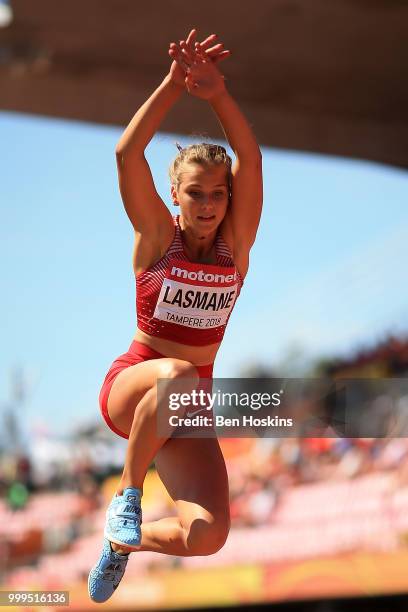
191	414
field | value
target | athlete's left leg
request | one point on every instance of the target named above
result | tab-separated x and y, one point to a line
194	474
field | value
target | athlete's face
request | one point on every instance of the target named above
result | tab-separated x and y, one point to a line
202	195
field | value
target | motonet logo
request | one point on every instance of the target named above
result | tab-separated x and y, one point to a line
203	276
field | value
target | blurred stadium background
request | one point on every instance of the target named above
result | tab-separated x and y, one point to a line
313	518
315	521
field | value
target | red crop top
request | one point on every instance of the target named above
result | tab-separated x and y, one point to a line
187	302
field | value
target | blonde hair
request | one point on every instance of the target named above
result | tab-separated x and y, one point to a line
202	153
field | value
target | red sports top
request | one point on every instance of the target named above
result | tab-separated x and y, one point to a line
187	302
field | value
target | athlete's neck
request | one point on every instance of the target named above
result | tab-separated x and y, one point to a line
197	247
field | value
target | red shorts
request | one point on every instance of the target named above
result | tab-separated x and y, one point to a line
137	353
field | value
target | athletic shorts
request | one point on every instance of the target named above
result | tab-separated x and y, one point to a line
136	353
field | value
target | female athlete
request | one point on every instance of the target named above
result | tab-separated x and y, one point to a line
185	266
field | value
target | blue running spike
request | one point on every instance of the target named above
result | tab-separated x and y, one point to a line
124	518
105	576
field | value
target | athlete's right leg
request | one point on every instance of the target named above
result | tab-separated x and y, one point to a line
132	408
199	528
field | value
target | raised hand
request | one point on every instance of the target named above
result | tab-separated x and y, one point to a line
203	78
189	52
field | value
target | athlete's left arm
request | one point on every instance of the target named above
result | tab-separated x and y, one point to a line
204	80
246	204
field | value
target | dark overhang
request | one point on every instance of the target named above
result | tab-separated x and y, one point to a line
327	76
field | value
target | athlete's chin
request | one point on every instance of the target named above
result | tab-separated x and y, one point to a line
207	224
206	220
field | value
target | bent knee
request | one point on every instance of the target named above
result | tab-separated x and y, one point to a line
178	368
205	538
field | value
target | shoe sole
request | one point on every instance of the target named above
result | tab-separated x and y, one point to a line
134	547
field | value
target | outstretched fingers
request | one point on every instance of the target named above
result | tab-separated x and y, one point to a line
187	53
216	53
187	47
205	44
177	55
210	51
193	62
220	56
191	40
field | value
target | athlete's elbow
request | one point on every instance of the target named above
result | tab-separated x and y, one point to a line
121	151
121	146
119	157
124	156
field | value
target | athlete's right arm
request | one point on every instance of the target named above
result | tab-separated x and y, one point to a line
143	205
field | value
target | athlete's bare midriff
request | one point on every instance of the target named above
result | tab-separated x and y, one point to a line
198	355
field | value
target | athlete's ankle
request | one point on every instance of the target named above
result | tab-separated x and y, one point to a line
125	485
120	549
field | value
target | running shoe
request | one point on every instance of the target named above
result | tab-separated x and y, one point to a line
105	576
124	518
